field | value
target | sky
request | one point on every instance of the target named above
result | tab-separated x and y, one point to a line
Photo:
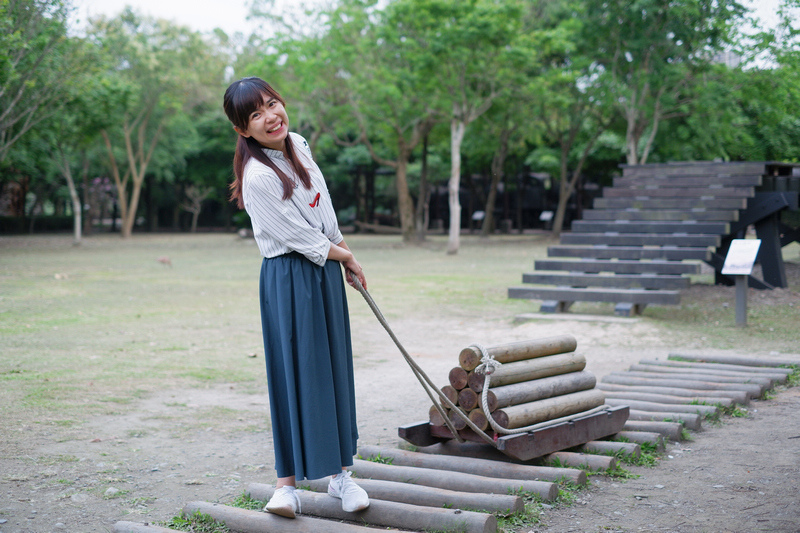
230	15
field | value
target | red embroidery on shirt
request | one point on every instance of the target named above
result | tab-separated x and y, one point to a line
315	203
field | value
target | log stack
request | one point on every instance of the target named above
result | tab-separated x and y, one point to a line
539	380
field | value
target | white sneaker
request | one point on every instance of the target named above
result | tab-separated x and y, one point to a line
284	502
353	497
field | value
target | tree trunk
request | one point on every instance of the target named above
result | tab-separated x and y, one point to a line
423	198
404	201
76	200
498	161
457	130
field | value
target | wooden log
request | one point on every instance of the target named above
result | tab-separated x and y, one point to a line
752	390
394	491
457	420
747	377
452	395
719	366
605	447
468	399
530	391
452	480
552	365
640	437
517	416
738	360
470	357
479	418
435	416
582	460
740	397
394	514
667	399
477	466
763	383
477	450
702	410
457	378
670	430
133	527
689	420
245	521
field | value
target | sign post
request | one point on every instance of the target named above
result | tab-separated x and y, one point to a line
739	264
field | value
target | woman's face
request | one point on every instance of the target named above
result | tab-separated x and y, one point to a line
268	124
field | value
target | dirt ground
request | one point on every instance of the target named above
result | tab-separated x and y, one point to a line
146	463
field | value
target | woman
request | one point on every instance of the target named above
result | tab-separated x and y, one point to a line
304	314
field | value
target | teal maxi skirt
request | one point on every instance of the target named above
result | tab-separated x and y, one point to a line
309	359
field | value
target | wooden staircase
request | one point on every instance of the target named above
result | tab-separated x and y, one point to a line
648	232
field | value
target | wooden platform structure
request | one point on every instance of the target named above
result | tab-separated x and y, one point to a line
654	227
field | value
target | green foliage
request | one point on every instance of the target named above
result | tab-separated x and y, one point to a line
379	459
245	501
196	523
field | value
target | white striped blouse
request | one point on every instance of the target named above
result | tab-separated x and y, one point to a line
305	223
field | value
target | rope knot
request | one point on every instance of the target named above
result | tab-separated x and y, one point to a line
488	363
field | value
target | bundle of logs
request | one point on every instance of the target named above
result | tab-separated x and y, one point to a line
539	380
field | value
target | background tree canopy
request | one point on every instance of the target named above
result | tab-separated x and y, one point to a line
424	115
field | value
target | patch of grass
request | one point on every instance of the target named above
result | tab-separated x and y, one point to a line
535	507
378	459
244	501
196	523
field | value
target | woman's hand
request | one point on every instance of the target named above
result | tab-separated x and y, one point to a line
340	252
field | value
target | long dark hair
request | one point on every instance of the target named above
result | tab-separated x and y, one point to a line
241	99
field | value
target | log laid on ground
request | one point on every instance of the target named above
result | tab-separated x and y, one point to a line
764	383
480	467
740	397
468	399
671	430
719	366
725	403
133	527
482	451
752	390
748	377
702	410
582	460
517	416
640	437
689	420
606	447
470	357
737	360
435	416
393	514
458	378
246	521
552	365
530	391
394	491
452	480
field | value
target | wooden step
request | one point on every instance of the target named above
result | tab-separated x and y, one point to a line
705	203
630	252
641	239
694	169
686	192
667	215
662	181
691	227
631	296
623	281
619	267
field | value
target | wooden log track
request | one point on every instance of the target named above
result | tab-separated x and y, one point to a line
452	480
752	390
393	514
530	391
582	460
725	403
607	447
133	527
542	367
394	491
747	377
457	378
245	521
719	366
477	450
517	416
764	383
689	420
702	410
740	397
477	466
670	430
470	357
640	437
737	360
468	399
